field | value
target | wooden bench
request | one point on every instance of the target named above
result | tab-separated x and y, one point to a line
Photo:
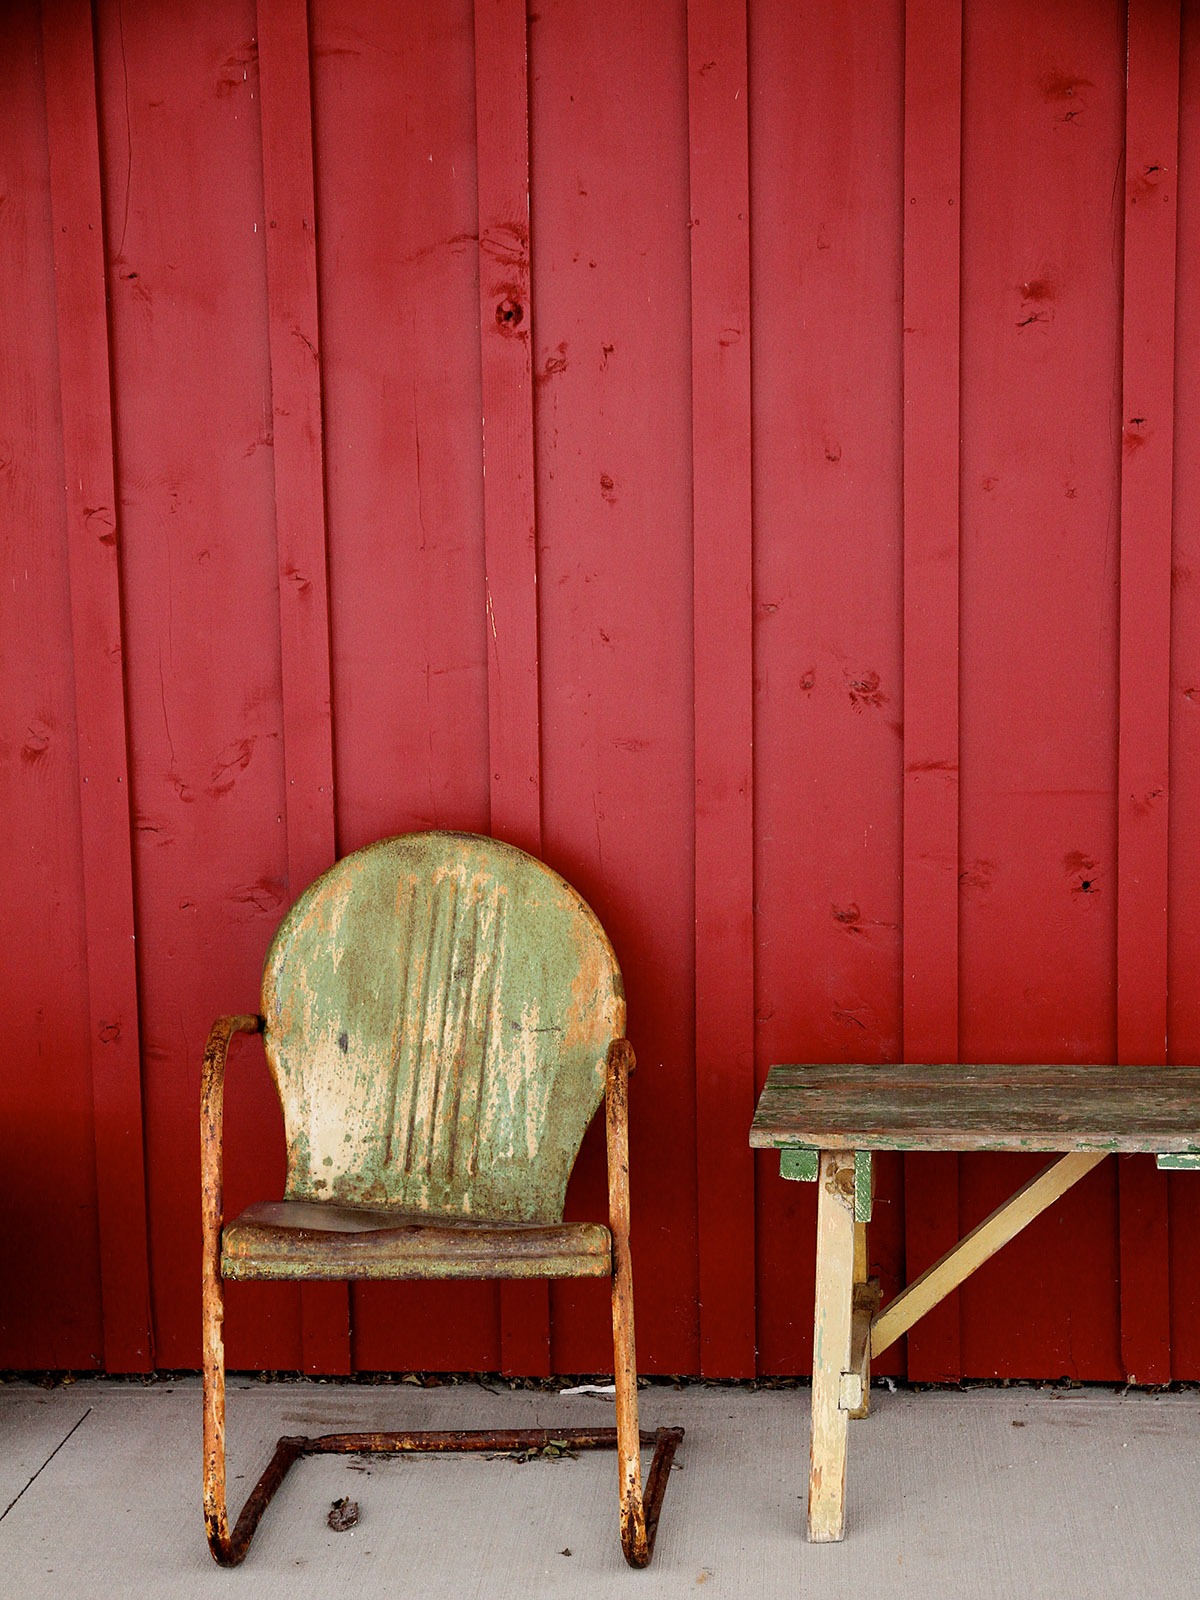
827	1121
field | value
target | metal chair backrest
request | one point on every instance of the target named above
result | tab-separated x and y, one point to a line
438	1011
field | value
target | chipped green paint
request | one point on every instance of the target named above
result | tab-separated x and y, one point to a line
438	1012
1180	1161
941	1106
802	1162
799	1163
863	1187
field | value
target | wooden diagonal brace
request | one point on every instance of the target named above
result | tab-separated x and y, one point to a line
972	1251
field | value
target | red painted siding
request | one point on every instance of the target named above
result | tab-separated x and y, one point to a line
694	442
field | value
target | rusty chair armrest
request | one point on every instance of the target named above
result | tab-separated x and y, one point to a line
620	1064
212	1100
212	1203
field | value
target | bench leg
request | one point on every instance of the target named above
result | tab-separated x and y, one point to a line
866	1303
831	1344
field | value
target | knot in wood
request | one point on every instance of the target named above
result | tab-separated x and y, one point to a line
842	1182
510	313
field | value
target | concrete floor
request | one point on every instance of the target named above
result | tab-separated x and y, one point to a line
1006	1492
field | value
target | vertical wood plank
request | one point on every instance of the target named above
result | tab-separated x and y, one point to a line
723	678
1044	92
827	584
94	564
290	212
397	258
932	261
510	547
613	447
1147	464
1183	979
188	311
51	1316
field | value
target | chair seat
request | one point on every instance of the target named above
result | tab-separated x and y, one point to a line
307	1239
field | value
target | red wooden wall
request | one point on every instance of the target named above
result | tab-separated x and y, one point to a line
820	594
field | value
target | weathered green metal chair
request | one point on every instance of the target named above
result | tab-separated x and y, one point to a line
442	1015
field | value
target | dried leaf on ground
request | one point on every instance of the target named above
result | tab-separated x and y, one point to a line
343	1514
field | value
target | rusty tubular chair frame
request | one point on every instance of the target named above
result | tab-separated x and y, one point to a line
639	1510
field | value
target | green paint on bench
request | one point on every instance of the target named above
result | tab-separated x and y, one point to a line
857	1106
1179	1161
799	1164
862	1186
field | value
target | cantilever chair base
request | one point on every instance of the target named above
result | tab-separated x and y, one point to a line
637	1543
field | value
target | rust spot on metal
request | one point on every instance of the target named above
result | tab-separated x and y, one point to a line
230	1549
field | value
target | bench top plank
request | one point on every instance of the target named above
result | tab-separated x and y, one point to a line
947	1107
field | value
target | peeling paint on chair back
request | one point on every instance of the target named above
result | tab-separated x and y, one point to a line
438	1012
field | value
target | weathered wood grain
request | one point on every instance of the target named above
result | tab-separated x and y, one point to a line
859	1107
